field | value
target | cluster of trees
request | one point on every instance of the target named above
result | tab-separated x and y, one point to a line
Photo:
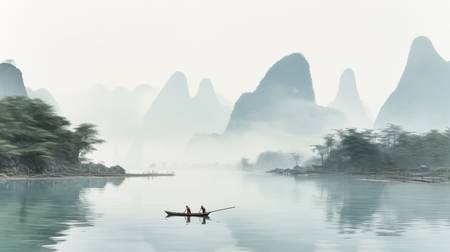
273	159
34	139
384	149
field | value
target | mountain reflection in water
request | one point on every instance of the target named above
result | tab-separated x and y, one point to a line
273	213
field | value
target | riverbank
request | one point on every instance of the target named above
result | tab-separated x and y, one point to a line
84	170
428	176
80	176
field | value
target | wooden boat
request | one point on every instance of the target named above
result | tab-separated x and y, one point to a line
204	215
169	213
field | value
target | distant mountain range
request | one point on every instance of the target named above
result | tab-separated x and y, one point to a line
282	105
175	115
421	100
280	114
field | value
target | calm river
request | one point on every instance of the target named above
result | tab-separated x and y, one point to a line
273	213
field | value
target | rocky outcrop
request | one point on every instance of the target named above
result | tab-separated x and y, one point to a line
421	100
11	81
349	102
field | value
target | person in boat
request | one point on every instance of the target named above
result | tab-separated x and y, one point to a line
188	210
202	209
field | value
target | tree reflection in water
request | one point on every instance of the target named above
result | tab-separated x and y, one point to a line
34	213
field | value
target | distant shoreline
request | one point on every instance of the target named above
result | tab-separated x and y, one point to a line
397	176
82	176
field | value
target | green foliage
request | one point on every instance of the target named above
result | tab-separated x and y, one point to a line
359	150
86	138
34	138
388	148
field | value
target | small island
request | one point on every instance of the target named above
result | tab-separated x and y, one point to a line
387	154
35	142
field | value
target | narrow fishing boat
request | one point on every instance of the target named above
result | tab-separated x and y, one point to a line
206	214
169	213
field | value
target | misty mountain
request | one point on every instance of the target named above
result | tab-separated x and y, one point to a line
284	101
118	112
11	81
280	114
175	115
45	96
421	99
12	84
210	114
349	102
169	115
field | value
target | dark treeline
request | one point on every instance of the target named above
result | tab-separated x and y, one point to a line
391	148
33	139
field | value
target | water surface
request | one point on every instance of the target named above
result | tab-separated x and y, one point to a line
273	213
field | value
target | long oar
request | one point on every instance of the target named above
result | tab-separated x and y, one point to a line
221	209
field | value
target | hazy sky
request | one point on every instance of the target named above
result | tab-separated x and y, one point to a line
69	45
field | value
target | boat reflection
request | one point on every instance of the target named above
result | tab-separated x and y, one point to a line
201	219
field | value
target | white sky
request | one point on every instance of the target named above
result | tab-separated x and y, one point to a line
68	45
